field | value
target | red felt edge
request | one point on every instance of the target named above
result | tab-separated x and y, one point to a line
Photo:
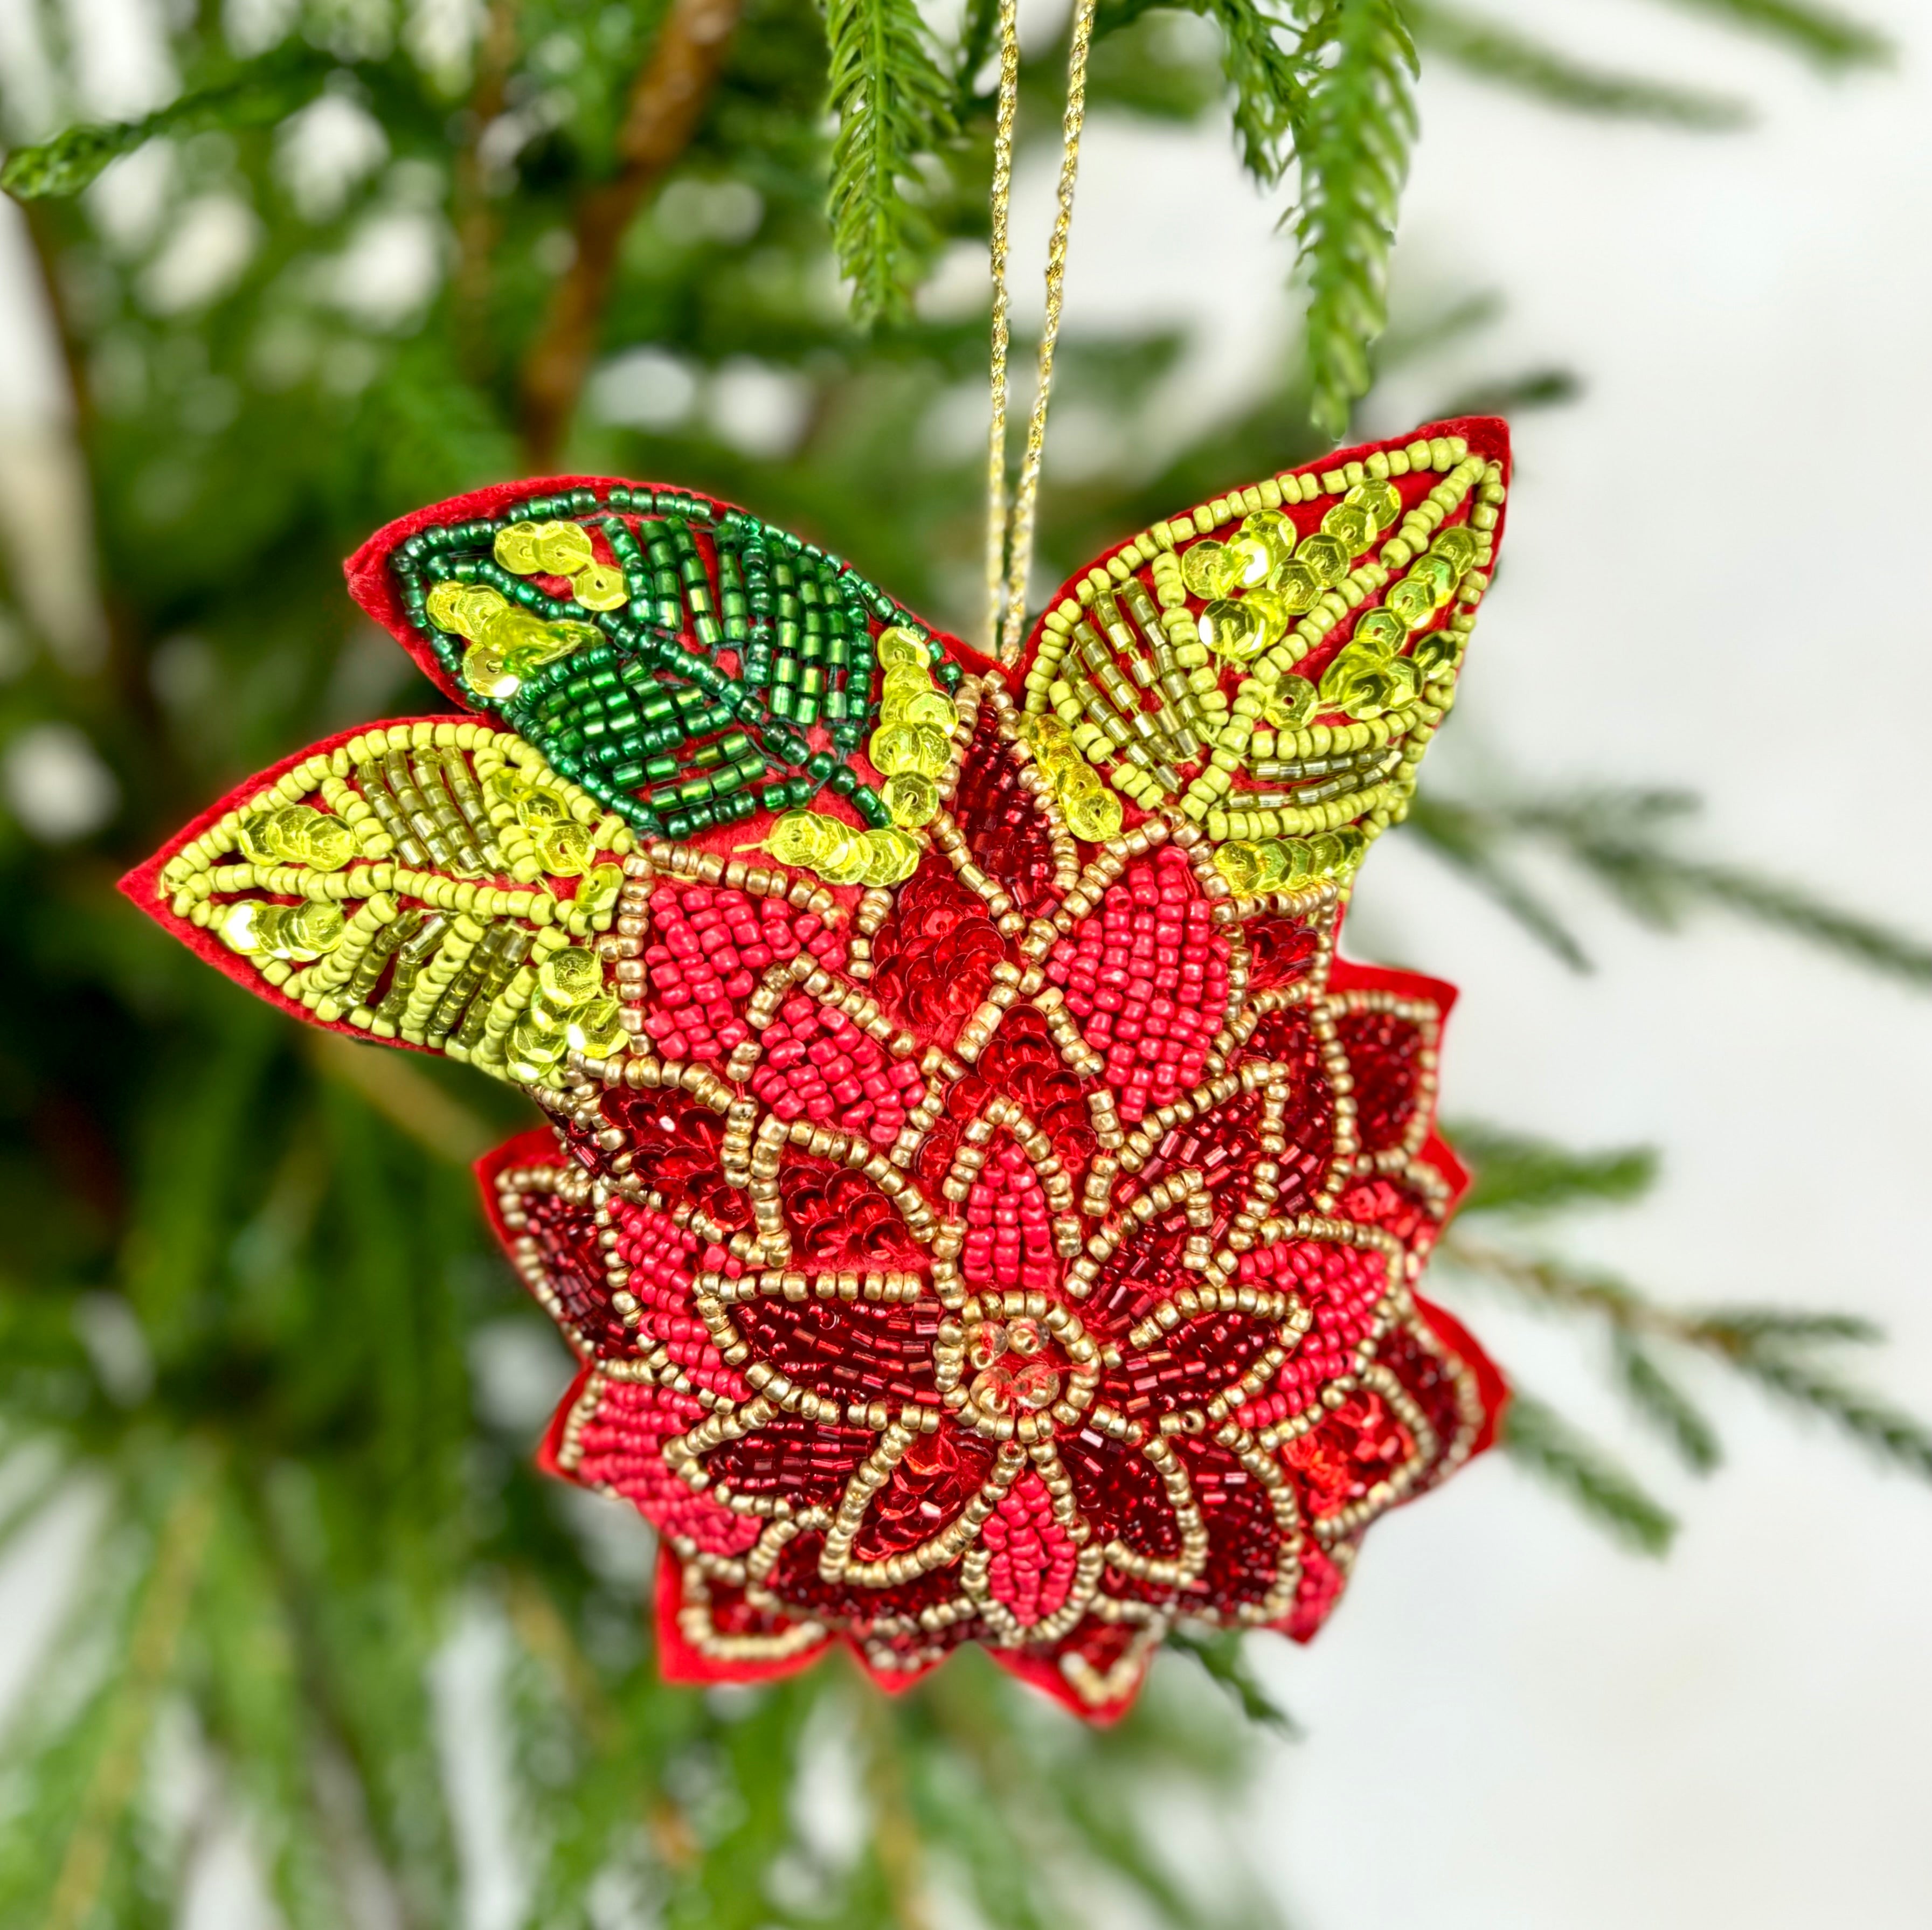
1346	975
678	1662
1487	436
1490	1382
1038	1673
373	585
892	1682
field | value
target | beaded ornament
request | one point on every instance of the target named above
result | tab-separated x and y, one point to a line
983	1206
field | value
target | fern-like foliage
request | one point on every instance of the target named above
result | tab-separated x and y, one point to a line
1621	839
1353	139
263	92
1777	1349
1538	1438
1492	50
894	106
1823	35
1265	72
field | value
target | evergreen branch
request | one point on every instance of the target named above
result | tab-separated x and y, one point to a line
896	1838
1220	1654
1742	1327
1516	1173
1663	1403
1543	1442
893	107
1827	38
1114	1836
1352	138
978	25
260	1717
1510	395
1612	836
266	92
1772	902
1616	837
1556	1284
152	1650
1468	840
1765	1344
1265	61
1891	1434
668	98
1267	80
1494	52
475	220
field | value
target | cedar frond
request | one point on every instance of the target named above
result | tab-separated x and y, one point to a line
893	107
1494	51
1541	1440
1353	140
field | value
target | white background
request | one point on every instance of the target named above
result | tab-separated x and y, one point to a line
1716	573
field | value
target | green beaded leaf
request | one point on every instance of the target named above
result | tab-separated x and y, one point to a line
686	663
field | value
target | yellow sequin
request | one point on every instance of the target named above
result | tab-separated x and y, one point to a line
564	849
892	856
515	548
797	838
896	646
1206	569
1297	585
1327	555
1094	816
1352	525
1233	630
913	800
562	549
600	587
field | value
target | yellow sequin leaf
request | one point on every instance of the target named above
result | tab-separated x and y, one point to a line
435	883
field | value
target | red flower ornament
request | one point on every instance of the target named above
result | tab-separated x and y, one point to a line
983	1206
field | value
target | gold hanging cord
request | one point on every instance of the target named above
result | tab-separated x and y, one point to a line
1010	546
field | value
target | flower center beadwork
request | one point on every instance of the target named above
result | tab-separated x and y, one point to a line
1016	1365
1015	1370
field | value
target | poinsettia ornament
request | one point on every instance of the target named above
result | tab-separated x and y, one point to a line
983	1206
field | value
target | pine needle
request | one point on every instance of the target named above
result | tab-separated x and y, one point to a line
1825	38
1737	1328
1516	1173
152	1648
1470	841
1541	1440
1219	1653
1891	1434
1353	135
1660	1401
1620	839
267	90
1494	51
893	107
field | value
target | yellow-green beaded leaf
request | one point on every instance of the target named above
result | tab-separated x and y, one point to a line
1270	664
433	883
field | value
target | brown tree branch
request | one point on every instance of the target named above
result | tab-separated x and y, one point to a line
666	102
475	221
